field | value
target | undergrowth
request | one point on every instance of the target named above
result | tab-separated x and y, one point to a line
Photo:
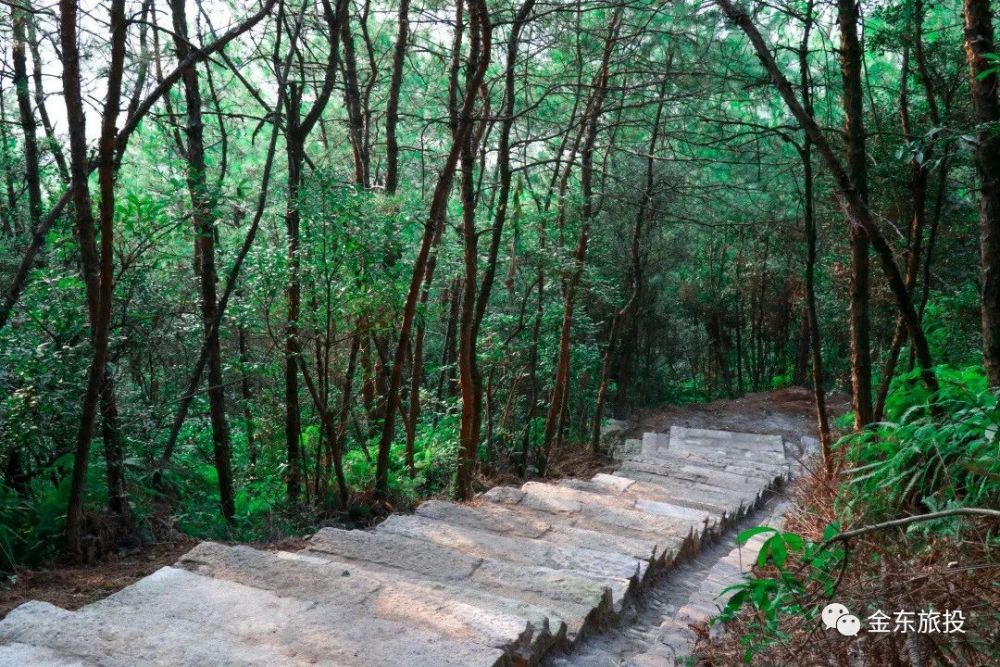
923	458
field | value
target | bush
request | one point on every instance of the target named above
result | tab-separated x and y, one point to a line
923	458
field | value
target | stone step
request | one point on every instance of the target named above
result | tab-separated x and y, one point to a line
610	494
770	447
549	628
657	500
745	477
654	443
673	538
666	462
582	603
678	524
309	630
115	640
734	440
725	503
443	610
617	571
519	522
24	655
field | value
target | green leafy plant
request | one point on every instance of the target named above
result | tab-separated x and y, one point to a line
926	455
803	573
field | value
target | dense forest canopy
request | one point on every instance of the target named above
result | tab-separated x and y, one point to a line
264	262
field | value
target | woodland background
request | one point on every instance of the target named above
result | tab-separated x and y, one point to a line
280	263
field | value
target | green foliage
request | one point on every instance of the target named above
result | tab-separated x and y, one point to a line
928	456
31	523
799	567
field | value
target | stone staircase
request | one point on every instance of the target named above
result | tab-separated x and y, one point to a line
517	574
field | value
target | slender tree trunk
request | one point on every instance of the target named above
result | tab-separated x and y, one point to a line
346	394
469	377
417	360
474	304
812	315
918	217
114	457
194	380
203	214
560	388
645	204
392	106
32	177
854	132
246	397
8	211
447	384
983	84
854	204
352	102
39	92
98	264
439	202
293	293
297	129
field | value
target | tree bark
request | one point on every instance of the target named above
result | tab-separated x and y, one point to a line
593	114
98	264
983	84
203	214
857	170
855	206
480	17
392	106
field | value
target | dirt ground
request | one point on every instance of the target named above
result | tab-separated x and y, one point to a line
71	587
788	412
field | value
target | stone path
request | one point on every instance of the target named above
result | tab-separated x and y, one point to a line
519	574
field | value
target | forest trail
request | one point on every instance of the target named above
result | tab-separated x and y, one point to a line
519	574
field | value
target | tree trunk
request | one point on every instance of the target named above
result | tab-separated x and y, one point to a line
438	208
645	204
352	102
114	458
392	106
297	129
560	388
474	305
918	217
855	206
983	84
293	293
98	265
32	178
812	316
854	132
203	214
194	380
